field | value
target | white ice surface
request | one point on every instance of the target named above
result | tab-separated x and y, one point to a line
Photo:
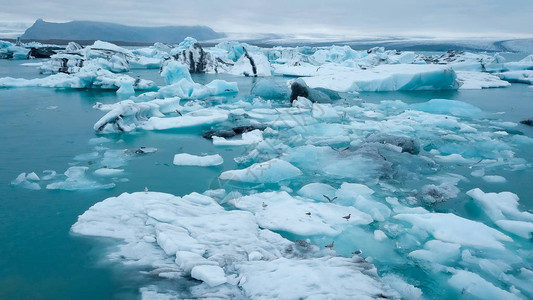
271	171
185	159
194	236
286	213
479	80
388	78
451	228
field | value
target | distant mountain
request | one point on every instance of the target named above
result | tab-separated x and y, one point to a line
90	30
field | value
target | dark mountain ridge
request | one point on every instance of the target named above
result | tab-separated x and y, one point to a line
91	30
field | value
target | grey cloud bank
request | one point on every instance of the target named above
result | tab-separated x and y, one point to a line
470	18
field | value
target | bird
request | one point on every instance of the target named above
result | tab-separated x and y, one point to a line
347	217
264	205
330	246
145	189
358	252
329	199
308	213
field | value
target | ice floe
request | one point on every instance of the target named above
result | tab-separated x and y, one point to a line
185	159
226	250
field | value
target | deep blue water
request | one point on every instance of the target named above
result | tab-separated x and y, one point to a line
44	129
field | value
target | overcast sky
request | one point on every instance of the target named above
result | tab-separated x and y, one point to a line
439	18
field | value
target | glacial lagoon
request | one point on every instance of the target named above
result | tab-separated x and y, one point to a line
447	242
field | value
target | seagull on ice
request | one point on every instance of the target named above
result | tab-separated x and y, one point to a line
308	213
146	189
264	205
330	246
329	199
347	217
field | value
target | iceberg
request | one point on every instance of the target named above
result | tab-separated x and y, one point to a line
226	251
76	179
194	56
400	77
271	171
479	80
451	228
185	159
87	77
524	76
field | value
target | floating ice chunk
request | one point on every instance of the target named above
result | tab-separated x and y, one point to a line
502	208
494	178
525	76
299	216
27	181
318	278
401	77
521	228
406	290
472	284
108	172
220	87
316	191
454	229
186	89
437	252
185	159
453	158
478	173
248	138
87	77
271	171
479	80
193	119
449	107
212	275
77	180
268	89
352	190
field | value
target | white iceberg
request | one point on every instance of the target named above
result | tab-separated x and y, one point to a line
402	77
271	171
185	159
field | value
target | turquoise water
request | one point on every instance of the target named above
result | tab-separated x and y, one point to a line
44	129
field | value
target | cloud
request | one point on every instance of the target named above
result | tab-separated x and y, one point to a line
357	18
